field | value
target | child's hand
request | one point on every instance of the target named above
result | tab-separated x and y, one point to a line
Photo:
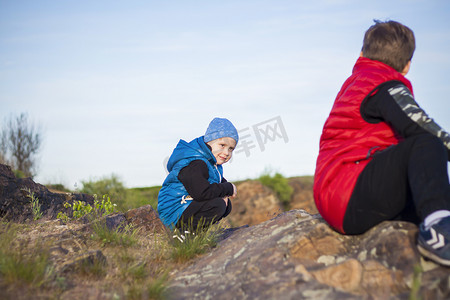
226	200
234	192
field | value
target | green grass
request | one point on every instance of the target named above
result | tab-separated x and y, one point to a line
18	264
137	264
156	288
195	242
280	185
108	185
95	268
130	267
137	271
125	236
137	197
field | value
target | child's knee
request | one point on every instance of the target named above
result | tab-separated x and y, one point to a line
428	140
220	206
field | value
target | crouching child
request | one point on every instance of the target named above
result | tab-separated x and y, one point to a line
195	194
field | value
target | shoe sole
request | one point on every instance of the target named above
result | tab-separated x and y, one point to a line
433	256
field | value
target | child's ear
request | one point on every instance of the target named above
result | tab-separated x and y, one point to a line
406	68
361	54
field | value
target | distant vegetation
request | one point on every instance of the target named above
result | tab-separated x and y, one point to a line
112	186
280	185
129	198
137	197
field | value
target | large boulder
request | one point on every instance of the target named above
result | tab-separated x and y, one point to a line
145	218
254	204
298	256
15	197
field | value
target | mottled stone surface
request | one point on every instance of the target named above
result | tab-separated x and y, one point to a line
146	218
297	256
254	204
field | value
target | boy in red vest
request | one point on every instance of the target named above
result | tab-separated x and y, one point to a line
381	157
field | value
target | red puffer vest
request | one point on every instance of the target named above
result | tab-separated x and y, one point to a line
348	141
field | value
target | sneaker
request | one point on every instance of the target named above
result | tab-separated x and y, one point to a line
434	243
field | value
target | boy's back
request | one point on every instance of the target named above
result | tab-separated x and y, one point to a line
378	160
348	140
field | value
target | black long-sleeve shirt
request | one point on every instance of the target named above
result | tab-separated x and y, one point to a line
195	176
394	104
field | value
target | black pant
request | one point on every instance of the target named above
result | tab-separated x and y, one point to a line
203	213
406	182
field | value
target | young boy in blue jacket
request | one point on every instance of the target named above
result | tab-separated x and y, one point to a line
195	192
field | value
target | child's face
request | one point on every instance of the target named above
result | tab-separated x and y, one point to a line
222	149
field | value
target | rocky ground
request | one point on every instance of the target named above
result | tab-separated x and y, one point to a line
266	254
297	256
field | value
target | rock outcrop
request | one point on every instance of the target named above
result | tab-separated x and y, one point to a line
70	249
145	218
15	196
254	204
296	255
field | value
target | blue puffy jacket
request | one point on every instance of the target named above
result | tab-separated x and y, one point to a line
171	198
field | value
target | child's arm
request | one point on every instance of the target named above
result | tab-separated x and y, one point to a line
194	177
393	103
234	188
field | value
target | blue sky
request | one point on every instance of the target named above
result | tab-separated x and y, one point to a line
116	84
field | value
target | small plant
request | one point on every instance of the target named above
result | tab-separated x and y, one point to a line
35	205
187	244
63	216
137	271
81	208
280	185
130	268
105	207
95	268
155	289
417	281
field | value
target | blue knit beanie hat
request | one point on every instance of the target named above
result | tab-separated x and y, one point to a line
219	128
